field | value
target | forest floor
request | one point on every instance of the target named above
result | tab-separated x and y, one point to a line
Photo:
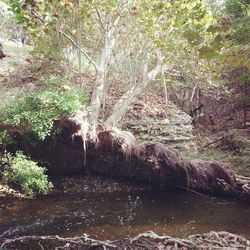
231	148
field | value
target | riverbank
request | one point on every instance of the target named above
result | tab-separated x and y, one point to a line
78	185
7	192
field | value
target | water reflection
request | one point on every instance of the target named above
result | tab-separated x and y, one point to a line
116	215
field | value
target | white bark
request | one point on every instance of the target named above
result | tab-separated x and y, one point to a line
121	107
165	88
193	92
165	91
104	61
101	67
80	49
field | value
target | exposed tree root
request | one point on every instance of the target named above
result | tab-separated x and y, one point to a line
55	242
217	240
148	240
105	150
243	186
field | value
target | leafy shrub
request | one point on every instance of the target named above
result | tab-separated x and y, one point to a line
5	138
35	112
21	170
48	45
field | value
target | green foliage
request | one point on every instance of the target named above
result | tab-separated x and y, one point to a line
51	52
237	8
5	139
208	155
177	20
159	19
34	113
21	170
241	31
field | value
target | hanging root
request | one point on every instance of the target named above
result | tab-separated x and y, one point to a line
90	133
125	139
85	130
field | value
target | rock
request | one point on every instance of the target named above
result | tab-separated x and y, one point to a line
150	119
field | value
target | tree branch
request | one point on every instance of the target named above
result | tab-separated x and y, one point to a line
70	39
100	19
121	107
76	45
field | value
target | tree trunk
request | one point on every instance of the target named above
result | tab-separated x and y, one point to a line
97	97
121	107
104	62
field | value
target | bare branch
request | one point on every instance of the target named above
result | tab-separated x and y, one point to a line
121	107
82	51
100	19
193	92
37	16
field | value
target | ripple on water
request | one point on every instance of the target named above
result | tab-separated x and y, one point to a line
114	215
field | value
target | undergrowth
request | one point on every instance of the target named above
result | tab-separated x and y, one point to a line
22	171
34	113
232	150
32	116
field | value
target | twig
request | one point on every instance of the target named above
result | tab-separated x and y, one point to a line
188	189
213	142
76	45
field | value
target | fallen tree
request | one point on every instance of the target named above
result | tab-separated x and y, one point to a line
148	240
80	147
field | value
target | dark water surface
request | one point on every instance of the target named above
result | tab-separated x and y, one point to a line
112	216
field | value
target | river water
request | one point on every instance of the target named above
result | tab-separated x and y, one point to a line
116	215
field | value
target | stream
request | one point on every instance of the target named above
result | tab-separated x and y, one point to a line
115	215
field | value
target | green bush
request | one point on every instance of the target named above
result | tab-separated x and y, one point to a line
21	170
5	138
34	113
47	45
